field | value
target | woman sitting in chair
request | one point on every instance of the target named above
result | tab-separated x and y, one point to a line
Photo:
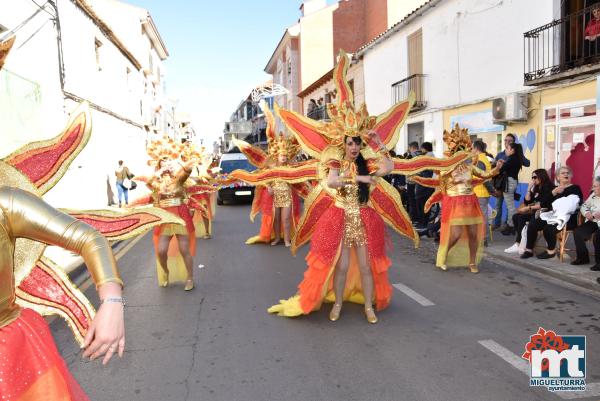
538	196
564	189
590	210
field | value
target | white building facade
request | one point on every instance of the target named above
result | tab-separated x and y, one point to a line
109	54
463	52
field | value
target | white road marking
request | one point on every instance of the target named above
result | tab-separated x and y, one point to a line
516	361
413	294
591	389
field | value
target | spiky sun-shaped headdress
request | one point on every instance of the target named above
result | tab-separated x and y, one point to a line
282	145
166	148
456	140
346	121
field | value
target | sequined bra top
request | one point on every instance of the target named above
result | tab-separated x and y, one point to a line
169	190
459	181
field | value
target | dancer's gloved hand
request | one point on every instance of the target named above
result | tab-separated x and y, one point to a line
106	334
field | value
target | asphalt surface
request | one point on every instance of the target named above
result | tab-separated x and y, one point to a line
218	342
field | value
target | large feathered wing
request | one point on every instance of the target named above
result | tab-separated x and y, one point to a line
387	202
316	203
256	156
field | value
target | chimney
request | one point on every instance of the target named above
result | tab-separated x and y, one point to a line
311	6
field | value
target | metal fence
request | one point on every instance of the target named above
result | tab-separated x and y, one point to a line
562	45
414	83
319	113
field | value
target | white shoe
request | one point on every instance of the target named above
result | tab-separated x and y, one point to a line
513	249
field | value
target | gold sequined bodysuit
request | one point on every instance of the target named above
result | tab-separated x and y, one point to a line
347	199
169	190
23	215
458	182
282	194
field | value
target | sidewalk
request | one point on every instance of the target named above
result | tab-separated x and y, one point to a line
580	276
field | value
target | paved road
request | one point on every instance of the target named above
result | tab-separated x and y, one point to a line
218	342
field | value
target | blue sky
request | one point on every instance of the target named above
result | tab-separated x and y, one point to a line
218	51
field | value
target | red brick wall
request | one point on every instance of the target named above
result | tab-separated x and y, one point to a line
376	18
356	22
349	26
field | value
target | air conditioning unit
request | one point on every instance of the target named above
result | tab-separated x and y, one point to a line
512	107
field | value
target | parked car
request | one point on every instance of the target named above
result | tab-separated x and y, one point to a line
238	190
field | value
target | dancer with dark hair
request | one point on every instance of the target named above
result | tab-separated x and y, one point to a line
345	212
538	197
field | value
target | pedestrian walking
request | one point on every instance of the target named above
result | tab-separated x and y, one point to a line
124	177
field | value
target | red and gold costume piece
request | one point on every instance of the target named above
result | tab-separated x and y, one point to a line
173	163
272	192
334	218
201	198
32	284
188	197
203	204
454	189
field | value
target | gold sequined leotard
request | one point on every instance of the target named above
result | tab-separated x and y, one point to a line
458	181
169	189
347	199
282	194
24	215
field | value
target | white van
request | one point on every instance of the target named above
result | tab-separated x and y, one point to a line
238	190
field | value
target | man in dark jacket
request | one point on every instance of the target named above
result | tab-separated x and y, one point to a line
413	151
422	193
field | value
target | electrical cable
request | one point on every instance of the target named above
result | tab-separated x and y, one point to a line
32	35
21	25
43	8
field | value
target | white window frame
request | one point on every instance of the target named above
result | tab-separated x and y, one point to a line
570	122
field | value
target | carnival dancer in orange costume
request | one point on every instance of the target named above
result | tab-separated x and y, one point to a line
202	191
173	165
462	229
345	212
31	284
278	201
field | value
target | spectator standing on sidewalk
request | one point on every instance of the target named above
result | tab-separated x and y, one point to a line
312	105
413	151
485	189
508	139
512	167
422	193
122	173
590	210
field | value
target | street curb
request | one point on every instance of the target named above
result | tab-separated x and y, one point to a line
590	286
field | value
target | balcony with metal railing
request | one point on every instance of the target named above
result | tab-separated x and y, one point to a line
414	83
319	113
563	49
